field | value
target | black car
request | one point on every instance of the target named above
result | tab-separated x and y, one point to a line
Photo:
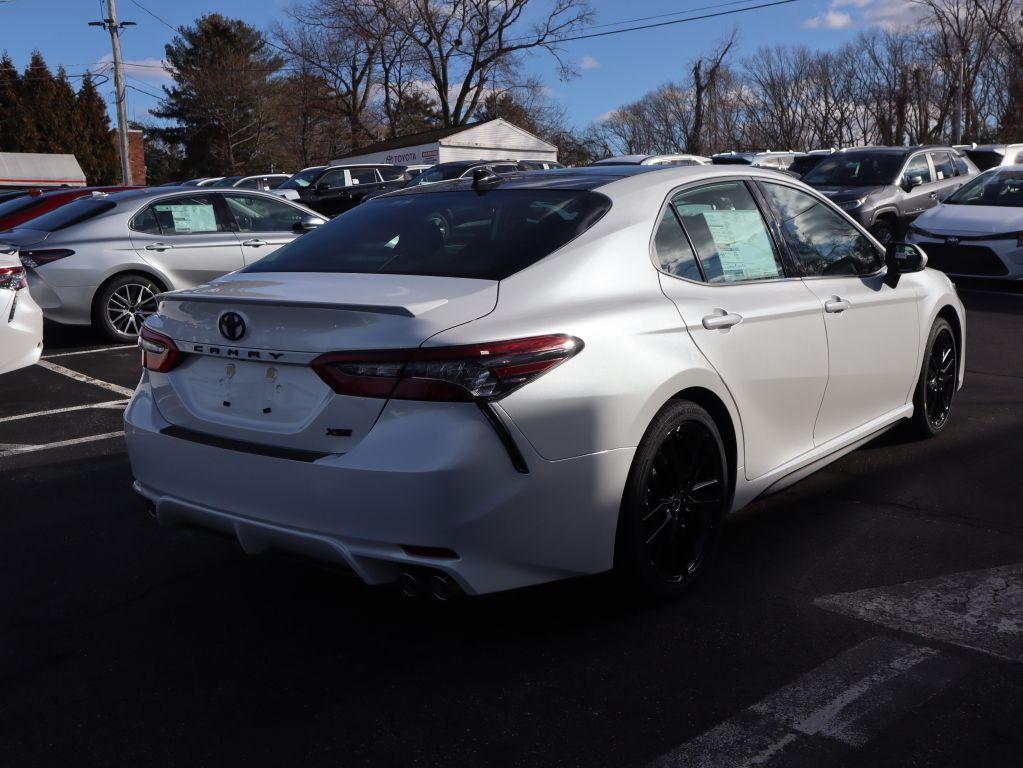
885	188
338	188
463	168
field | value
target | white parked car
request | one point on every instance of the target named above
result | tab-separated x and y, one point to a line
493	382
978	230
21	320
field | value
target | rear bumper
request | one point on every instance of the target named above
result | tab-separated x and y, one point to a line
62	304
21	331
433	475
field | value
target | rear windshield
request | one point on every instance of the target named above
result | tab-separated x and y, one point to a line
70	214
19	204
448	234
985	159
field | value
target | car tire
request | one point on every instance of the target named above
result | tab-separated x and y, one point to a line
936	386
676	497
883	231
123	304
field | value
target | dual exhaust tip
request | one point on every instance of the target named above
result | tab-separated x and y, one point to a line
439	586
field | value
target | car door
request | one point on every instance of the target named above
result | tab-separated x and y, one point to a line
328	195
918	197
261	224
761	330
187	239
872	328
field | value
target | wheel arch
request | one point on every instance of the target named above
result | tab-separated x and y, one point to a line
888	214
125	271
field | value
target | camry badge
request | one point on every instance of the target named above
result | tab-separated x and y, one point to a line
232	326
952	241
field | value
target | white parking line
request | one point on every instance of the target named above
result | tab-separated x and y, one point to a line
83	378
981	610
826	713
55	411
88	351
62	444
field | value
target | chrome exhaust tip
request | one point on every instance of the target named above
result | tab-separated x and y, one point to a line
410	585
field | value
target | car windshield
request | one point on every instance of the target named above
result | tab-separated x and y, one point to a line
302	179
438	173
449	234
73	213
856	169
985	158
997	188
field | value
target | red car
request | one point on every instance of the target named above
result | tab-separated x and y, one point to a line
17	210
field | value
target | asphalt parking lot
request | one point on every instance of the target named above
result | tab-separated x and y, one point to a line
871	615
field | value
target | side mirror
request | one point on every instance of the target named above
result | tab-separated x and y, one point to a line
903	258
912	181
307	223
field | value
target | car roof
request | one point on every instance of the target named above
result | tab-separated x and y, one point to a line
148	193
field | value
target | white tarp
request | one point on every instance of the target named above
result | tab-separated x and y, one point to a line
28	169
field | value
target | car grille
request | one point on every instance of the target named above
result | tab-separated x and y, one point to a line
964	259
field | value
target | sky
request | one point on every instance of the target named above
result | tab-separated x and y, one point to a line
613	70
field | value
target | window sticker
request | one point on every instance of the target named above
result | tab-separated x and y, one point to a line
743	246
190	218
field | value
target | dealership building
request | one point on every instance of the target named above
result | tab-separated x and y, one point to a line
495	139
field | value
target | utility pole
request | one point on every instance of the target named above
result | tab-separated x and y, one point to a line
110	24
957	127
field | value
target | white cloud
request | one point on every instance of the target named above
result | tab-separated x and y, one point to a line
588	62
893	13
850	4
151	70
829	20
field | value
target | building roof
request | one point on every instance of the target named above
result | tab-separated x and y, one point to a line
431	137
412	139
40	170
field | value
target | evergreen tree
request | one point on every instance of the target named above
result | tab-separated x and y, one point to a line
94	143
39	96
221	97
18	129
63	129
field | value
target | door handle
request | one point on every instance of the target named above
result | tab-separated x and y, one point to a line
721	320
836	304
933	195
158	246
255	242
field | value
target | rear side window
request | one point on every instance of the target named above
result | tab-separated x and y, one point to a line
673	251
391	174
186	215
450	234
962	169
364	175
73	213
943	168
729	233
145	221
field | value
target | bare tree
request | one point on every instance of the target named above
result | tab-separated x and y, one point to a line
468	46
705	80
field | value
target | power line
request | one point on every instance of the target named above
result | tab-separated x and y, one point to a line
555	41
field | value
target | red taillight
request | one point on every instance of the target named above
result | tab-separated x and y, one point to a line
464	373
41	257
13	278
159	352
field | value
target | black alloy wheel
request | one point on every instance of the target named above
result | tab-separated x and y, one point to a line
935	390
883	232
675	501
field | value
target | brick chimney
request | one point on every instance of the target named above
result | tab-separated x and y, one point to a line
136	155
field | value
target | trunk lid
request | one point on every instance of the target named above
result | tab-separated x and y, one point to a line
257	386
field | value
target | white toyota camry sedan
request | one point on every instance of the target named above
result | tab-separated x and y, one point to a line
21	320
500	381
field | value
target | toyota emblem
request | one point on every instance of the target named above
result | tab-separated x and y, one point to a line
232	326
